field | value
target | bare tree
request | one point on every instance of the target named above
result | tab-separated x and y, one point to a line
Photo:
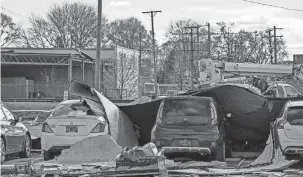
176	52
124	76
245	46
126	33
51	84
65	26
9	31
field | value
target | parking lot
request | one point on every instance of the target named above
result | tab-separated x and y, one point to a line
90	150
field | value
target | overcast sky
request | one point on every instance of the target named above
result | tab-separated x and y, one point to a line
246	15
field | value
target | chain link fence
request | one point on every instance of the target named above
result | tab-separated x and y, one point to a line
10	91
116	94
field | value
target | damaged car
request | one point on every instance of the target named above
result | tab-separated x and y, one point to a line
15	137
70	122
289	128
188	126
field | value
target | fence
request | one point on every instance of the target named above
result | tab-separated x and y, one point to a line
116	94
55	92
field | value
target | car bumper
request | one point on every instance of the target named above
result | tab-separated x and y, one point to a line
51	142
290	146
200	150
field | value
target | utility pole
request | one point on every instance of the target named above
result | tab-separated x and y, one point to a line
275	43
192	53
152	14
270	47
140	58
98	57
209	40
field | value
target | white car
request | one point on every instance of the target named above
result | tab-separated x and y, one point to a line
70	122
289	126
282	90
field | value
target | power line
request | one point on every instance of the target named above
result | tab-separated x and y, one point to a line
12	12
299	10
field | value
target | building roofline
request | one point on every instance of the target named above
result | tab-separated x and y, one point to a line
20	48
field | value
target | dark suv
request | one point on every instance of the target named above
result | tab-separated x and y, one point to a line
188	125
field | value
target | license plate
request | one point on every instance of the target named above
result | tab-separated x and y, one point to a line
185	143
71	129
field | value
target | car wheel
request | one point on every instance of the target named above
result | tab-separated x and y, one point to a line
26	147
2	151
220	156
47	155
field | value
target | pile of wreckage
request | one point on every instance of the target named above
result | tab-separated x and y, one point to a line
123	153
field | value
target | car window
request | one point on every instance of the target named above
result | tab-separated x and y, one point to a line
294	115
193	111
2	116
291	92
71	110
8	114
280	91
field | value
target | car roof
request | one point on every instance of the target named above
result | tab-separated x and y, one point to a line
70	102
188	97
295	103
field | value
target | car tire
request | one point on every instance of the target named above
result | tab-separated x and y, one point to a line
3	149
220	156
26	150
48	155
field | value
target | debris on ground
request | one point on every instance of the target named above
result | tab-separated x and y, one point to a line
149	149
94	149
141	160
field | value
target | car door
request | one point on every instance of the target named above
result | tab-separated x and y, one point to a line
8	132
18	133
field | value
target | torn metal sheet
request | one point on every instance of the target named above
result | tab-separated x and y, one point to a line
120	126
249	112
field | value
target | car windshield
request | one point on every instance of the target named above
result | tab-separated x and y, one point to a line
71	110
295	115
187	111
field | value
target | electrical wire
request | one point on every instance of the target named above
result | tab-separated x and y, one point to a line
299	10
12	12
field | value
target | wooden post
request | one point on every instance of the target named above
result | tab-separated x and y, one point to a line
83	70
70	71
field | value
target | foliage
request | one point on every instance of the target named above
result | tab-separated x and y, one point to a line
226	45
9	31
65	26
126	33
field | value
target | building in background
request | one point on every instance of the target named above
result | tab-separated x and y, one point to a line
46	72
298	58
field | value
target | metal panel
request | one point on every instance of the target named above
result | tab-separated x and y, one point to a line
257	68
